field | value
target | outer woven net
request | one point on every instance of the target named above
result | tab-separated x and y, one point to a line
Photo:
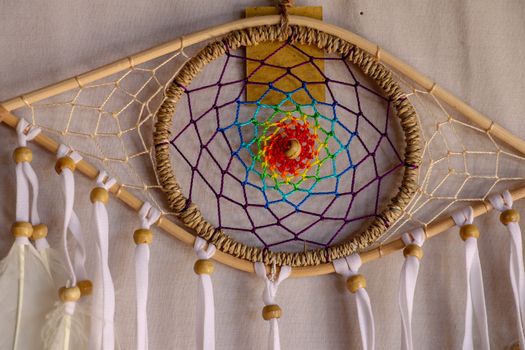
305	160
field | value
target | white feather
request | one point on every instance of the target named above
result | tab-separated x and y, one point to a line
27	293
65	327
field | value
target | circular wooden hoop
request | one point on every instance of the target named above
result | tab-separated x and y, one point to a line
189	213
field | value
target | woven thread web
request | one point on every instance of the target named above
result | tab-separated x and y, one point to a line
223	143
346	169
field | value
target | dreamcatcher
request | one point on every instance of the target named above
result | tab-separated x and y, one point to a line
284	146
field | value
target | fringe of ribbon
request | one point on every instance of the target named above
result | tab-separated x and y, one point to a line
349	267
475	305
503	202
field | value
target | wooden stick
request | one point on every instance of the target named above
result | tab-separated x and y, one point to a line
83	79
185	236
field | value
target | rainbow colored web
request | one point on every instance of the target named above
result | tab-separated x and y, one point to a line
231	151
320	148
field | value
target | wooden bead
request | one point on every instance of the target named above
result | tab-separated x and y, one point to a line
23	154
271	311
413	250
294	149
356	282
203	267
22	229
509	216
69	294
39	232
143	236
65	162
85	286
467	231
99	194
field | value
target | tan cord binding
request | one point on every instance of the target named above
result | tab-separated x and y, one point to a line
283	6
188	212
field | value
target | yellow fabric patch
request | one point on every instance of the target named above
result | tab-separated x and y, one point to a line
286	58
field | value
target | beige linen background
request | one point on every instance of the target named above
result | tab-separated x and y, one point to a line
474	48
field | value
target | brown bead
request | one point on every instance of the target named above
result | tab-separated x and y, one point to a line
467	231
509	216
39	231
69	294
85	286
294	149
203	267
271	311
99	194
22	229
413	250
65	162
23	154
355	283
143	236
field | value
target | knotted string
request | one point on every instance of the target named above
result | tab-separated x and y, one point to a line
283	6
503	202
407	286
475	304
205	327
271	284
349	267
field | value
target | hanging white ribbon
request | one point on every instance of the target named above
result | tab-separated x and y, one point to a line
103	301
502	202
348	267
22	215
27	133
270	292
407	287
76	266
205	327
475	304
148	216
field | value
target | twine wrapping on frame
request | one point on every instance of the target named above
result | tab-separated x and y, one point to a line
189	213
283	6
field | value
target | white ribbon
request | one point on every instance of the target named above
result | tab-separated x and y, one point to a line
76	266
205	330
26	133
502	202
148	216
270	292
21	214
103	301
25	176
407	287
348	267
475	304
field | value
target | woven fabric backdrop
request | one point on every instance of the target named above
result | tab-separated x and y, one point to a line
473	48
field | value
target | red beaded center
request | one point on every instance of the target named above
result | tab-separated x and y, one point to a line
289	131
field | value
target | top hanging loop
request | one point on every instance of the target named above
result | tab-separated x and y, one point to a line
283	6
